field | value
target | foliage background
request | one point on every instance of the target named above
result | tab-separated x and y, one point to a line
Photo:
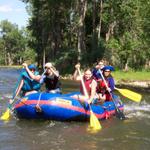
66	32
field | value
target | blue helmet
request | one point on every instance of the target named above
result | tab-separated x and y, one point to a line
109	68
32	66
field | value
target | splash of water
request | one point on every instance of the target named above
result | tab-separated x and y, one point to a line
141	110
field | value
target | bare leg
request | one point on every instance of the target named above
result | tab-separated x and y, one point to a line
82	98
30	92
101	98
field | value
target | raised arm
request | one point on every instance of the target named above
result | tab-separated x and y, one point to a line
54	71
32	76
75	74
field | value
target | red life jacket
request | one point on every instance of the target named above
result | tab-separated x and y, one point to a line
87	84
101	88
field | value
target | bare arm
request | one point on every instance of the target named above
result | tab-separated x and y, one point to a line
17	91
34	77
19	88
93	91
55	72
76	76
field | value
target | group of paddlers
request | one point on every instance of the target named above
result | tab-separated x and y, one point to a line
97	83
30	80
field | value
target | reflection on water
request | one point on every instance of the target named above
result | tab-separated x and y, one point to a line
130	134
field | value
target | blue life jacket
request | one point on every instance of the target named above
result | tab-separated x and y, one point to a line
30	84
96	74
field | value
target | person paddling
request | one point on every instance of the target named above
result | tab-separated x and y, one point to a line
50	77
90	85
27	84
95	71
103	93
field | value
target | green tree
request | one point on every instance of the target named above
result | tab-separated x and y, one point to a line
13	44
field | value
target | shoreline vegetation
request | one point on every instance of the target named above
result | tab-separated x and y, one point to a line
136	79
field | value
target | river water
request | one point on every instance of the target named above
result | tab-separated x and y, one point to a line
130	134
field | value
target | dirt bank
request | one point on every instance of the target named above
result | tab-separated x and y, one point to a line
139	86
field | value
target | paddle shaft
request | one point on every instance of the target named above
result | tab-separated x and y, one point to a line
120	114
94	122
39	99
82	82
6	114
15	91
44	72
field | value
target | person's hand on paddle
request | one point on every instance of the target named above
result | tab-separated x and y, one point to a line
109	89
90	101
25	65
97	67
77	66
75	75
10	101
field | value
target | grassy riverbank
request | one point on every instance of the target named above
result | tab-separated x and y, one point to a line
131	76
14	66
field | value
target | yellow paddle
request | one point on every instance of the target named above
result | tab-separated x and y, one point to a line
119	113
6	114
130	94
94	122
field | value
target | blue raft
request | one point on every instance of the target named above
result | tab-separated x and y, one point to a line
62	107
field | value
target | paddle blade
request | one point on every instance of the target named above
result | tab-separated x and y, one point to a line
120	114
94	122
130	94
6	115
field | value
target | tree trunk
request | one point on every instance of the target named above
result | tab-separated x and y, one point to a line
111	25
110	30
82	8
147	64
5	59
43	57
100	20
9	59
94	34
126	68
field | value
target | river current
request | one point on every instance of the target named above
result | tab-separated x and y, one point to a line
130	134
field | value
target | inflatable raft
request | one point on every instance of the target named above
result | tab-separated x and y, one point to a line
62	107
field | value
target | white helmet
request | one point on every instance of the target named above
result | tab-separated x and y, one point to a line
48	65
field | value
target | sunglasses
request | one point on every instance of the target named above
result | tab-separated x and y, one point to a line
88	74
32	69
47	68
106	71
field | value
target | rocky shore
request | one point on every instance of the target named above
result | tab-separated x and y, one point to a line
141	86
138	84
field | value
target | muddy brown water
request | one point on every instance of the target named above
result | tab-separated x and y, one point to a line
131	134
